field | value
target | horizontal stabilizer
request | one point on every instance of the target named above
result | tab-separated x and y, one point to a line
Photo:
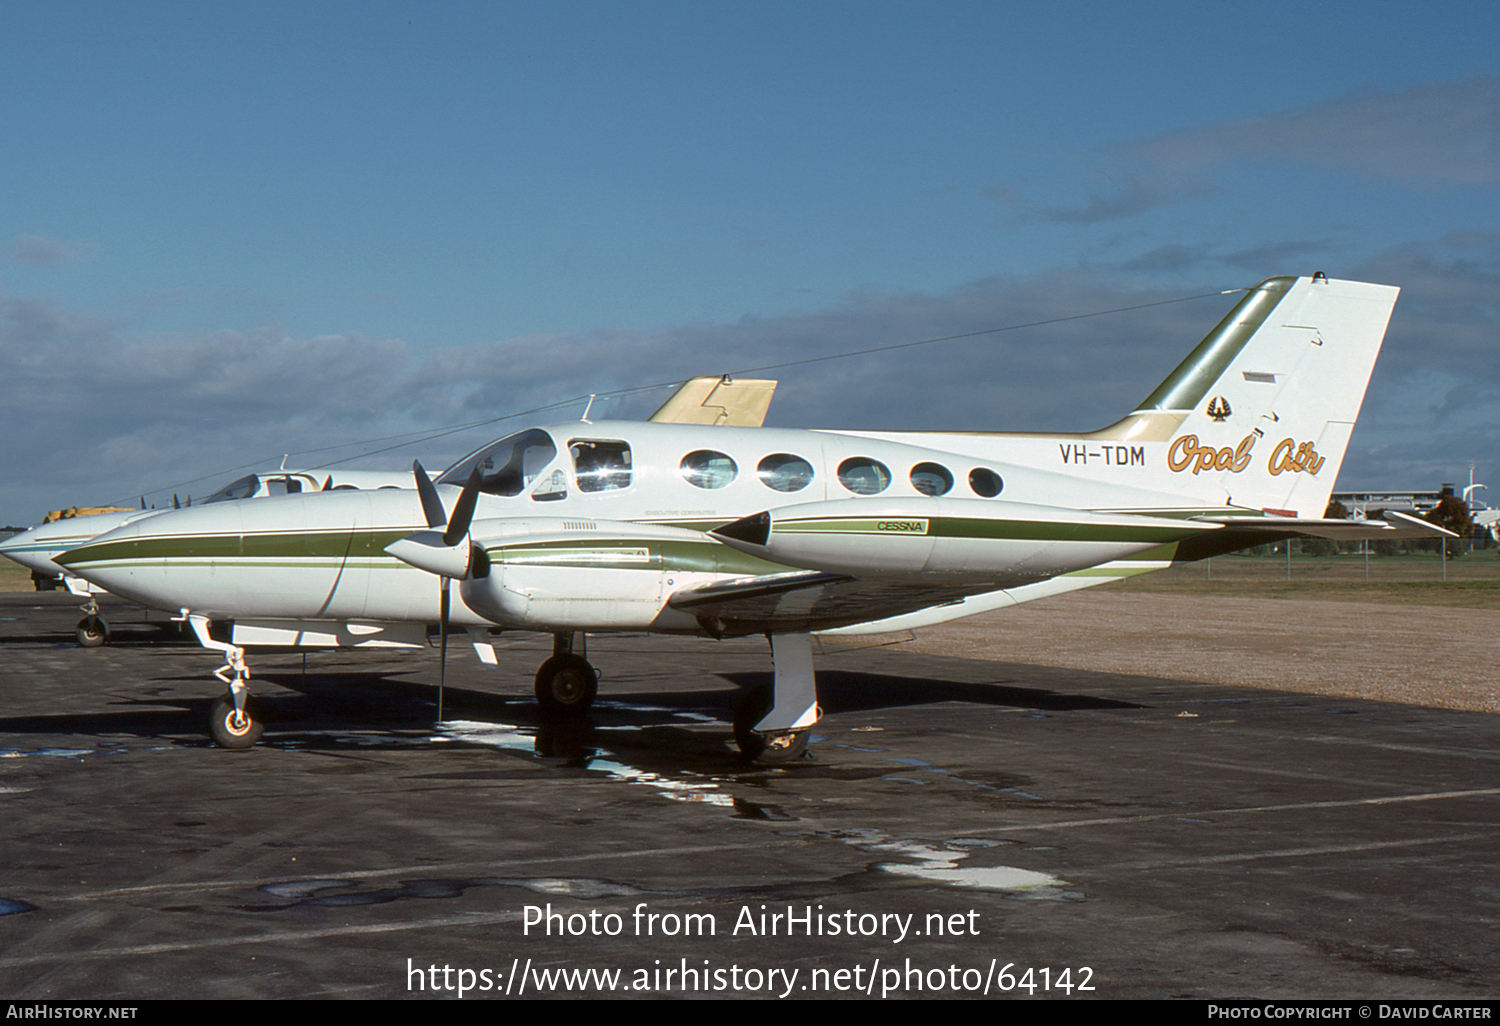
1395	525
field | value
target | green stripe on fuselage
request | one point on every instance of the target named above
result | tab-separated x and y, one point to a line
707	556
246	549
977	527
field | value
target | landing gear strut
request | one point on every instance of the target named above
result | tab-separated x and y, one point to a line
772	722
567	683
234	720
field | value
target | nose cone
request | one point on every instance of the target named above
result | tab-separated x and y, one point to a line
38	548
131	560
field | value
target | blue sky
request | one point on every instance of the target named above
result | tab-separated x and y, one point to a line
233	231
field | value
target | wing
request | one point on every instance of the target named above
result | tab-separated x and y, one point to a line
805	601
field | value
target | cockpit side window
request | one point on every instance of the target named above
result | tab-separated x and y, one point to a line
508	466
600	466
552	487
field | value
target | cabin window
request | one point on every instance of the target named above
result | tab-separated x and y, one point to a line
508	466
864	476
708	469
600	466
783	472
985	482
931	479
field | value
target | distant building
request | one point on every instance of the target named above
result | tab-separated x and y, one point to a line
1359	503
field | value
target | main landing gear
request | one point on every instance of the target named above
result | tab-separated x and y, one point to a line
773	722
567	684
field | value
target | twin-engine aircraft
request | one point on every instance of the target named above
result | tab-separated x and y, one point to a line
702	400
37	548
722	531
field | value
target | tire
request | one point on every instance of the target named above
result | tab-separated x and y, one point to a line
752	707
226	733
566	685
92	632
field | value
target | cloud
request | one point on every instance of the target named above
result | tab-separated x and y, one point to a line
100	413
1448	132
1130	194
1434	399
95	412
41	251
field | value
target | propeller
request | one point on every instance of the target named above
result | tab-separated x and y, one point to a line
447	553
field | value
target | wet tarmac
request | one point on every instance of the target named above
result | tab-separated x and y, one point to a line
963	828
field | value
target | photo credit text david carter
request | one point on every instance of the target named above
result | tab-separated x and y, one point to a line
878	975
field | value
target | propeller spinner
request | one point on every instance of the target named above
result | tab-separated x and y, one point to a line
444	552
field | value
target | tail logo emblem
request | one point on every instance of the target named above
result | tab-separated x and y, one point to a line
1218	409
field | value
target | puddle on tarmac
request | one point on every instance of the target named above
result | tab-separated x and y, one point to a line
704	791
941	865
305	893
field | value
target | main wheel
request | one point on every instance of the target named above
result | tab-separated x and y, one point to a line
787	746
232	731
92	632
566	685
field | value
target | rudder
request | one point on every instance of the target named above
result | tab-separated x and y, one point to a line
1259	414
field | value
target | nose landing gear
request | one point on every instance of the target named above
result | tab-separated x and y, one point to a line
92	631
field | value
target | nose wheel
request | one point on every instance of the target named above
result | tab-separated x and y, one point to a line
92	632
232	728
234	720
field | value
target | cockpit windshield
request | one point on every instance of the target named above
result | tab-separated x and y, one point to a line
508	466
244	488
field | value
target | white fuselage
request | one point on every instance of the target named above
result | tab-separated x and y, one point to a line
632	499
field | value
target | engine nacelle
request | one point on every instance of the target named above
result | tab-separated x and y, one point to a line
547	573
940	535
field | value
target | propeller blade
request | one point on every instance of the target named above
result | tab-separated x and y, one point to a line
439	552
463	510
442	646
432	503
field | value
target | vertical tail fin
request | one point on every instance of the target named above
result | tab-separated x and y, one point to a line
1260	413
